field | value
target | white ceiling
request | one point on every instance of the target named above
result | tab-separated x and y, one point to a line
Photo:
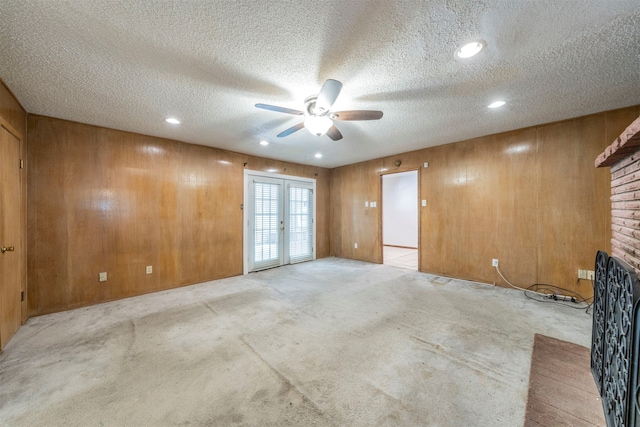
130	64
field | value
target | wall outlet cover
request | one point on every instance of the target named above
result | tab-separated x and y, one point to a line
494	262
102	276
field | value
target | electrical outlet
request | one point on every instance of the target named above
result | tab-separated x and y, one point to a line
582	274
102	276
494	262
355	245
149	269
591	275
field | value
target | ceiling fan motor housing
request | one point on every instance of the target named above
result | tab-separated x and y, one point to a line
310	106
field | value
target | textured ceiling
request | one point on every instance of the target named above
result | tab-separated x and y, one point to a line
129	64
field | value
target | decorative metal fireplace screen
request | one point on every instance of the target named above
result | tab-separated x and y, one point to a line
615	343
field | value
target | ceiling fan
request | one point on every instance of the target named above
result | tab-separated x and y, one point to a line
318	117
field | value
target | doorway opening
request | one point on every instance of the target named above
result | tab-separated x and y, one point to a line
279	220
400	220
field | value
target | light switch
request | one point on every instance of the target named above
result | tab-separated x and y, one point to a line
374	204
426	164
424	203
149	269
366	204
102	276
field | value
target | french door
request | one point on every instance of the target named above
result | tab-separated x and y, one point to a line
279	221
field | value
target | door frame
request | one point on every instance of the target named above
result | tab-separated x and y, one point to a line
420	207
248	175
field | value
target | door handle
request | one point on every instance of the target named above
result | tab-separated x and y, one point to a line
9	249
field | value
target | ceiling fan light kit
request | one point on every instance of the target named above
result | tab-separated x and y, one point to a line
318	125
318	117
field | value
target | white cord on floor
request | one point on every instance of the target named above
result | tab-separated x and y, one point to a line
519	288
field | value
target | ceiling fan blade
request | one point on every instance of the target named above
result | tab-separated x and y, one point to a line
291	130
327	96
357	115
334	133
279	109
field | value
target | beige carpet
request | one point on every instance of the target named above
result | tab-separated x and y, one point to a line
325	343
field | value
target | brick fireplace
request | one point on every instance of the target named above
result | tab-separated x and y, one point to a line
623	157
615	343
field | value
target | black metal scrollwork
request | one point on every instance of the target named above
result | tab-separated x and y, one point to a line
614	344
599	311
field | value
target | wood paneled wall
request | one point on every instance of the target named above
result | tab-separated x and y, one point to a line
531	198
11	111
102	200
106	200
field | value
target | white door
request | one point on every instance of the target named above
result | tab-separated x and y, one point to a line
299	222
279	221
267	226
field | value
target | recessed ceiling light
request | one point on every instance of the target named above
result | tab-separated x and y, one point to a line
263	142
470	49
496	104
318	155
172	121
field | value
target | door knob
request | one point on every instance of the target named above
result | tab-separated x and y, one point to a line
9	249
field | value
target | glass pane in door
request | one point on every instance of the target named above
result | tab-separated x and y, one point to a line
267	213
300	224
